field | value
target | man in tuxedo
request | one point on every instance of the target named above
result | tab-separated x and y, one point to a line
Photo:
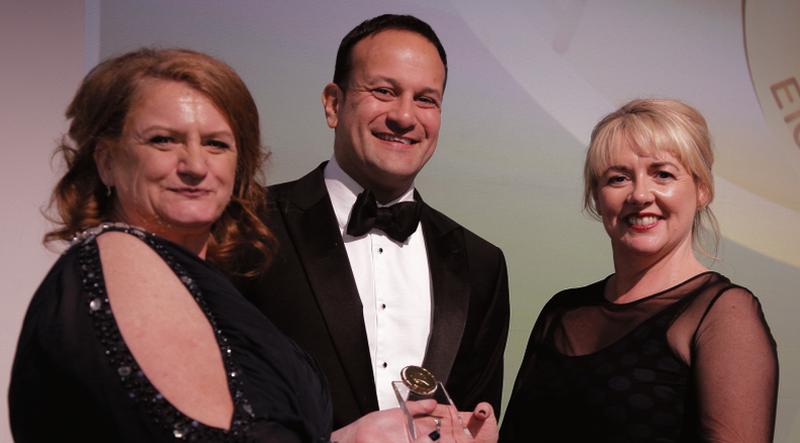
368	278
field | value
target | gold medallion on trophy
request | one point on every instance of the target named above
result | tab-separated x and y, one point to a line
419	380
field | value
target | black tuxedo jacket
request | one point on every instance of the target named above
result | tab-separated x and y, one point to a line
310	294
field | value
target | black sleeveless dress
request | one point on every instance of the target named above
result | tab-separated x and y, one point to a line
74	378
660	369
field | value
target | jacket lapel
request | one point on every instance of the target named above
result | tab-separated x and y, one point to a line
445	247
315	233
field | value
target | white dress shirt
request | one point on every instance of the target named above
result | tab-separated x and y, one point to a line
394	283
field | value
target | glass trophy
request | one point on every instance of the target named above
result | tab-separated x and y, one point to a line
417	383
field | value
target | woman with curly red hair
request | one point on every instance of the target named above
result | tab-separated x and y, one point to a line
136	334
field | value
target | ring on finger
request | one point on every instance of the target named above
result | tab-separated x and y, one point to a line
435	434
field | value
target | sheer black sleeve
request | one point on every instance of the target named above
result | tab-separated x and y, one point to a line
735	370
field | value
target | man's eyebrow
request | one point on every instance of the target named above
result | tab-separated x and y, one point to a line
380	79
383	79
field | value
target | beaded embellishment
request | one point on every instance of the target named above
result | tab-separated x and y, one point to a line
119	357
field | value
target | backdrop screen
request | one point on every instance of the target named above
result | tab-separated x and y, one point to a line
528	80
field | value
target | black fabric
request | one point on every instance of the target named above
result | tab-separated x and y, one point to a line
310	294
693	363
398	221
64	386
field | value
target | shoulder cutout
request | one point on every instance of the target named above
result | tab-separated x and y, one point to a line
167	333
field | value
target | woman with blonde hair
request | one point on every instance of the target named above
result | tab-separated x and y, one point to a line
663	349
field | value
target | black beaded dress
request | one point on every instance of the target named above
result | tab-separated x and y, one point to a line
74	378
692	363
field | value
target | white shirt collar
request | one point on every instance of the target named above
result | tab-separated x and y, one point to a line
343	191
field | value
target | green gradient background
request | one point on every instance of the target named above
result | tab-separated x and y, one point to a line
527	82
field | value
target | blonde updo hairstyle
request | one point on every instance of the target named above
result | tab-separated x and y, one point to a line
652	127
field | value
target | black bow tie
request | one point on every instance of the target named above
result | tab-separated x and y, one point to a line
398	221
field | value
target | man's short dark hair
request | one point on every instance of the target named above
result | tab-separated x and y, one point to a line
379	24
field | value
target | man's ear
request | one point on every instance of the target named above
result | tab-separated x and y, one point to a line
104	162
332	97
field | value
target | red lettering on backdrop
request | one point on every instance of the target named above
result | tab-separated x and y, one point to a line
784	86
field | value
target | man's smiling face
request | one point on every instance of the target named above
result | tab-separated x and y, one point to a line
387	119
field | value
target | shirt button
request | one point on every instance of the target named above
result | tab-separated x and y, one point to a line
385	364
380	250
383	306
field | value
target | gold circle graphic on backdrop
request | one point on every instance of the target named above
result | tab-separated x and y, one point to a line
772	39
